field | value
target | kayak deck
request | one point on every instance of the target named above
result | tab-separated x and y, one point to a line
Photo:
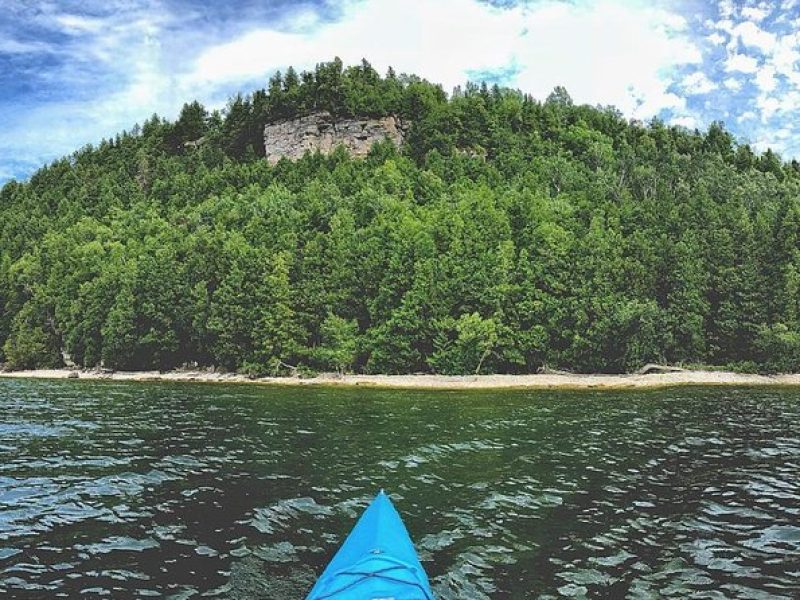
377	561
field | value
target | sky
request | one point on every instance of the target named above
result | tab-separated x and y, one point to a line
73	72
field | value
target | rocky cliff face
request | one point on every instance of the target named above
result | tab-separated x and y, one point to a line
321	131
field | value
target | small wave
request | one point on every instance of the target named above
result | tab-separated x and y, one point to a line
278	516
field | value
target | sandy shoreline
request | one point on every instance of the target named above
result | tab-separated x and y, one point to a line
548	381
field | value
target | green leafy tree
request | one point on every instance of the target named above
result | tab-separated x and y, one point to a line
464	344
31	344
120	336
339	343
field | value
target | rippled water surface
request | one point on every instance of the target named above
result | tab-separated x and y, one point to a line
187	491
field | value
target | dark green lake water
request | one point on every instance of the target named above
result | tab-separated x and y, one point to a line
137	490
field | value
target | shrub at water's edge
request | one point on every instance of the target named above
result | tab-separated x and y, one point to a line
503	235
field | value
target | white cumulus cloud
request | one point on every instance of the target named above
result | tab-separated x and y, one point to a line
741	62
697	83
732	84
752	35
755	13
610	52
688	121
765	79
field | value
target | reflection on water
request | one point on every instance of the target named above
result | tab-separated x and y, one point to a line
180	491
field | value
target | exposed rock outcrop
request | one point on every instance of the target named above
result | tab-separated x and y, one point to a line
324	132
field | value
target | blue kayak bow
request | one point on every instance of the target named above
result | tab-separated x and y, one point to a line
377	561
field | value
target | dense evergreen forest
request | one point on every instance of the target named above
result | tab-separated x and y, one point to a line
505	235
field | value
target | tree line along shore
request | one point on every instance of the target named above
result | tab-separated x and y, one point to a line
507	233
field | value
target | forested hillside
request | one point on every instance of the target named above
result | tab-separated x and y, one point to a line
506	234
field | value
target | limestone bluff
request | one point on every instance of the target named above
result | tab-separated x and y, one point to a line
322	131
